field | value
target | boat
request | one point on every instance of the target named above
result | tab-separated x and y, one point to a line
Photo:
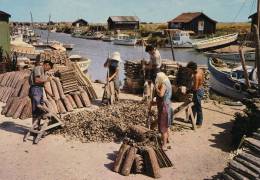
93	36
23	49
180	39
107	38
232	56
229	81
68	47
83	63
124	39
215	42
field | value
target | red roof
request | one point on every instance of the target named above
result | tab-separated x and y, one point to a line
188	17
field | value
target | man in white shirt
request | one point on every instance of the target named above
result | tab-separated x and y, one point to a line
155	61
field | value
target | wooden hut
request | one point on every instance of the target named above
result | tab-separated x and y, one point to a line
197	22
123	23
79	23
4	33
253	18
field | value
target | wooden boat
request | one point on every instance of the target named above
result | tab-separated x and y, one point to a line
107	38
232	56
229	81
93	36
215	42
82	63
124	39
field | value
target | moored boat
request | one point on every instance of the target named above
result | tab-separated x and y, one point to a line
124	39
180	39
93	36
232	56
107	38
215	42
229	81
83	63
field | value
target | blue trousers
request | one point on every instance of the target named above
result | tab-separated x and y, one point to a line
197	109
36	94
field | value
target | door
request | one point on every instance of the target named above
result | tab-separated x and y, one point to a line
201	27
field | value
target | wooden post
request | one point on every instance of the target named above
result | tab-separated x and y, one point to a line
257	54
242	58
258	14
170	37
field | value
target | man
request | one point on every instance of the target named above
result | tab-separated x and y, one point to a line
112	64
155	61
37	80
198	91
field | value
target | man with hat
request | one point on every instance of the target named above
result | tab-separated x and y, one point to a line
112	64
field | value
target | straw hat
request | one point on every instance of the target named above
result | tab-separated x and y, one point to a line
115	56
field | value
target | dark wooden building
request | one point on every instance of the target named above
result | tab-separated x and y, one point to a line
194	21
80	22
253	18
123	23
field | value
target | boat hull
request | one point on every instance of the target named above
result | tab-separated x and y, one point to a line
84	65
125	42
249	56
215	42
222	83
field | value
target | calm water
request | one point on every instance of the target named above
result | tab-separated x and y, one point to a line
98	52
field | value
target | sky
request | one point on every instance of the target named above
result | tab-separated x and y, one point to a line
98	11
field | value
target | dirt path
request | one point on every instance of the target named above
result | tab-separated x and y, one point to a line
196	155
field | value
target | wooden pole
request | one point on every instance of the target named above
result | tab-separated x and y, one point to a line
257	54
258	14
170	37
49	29
242	58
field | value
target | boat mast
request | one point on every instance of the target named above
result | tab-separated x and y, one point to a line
49	29
32	25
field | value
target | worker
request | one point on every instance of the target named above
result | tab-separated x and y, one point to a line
198	91
37	79
112	64
163	91
155	62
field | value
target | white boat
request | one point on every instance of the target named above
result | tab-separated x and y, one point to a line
93	36
215	42
83	63
124	39
230	81
23	49
180	39
232	56
107	38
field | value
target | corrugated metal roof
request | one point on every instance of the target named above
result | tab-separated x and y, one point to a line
188	17
124	18
2	13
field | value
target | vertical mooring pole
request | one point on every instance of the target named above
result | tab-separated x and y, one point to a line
170	37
